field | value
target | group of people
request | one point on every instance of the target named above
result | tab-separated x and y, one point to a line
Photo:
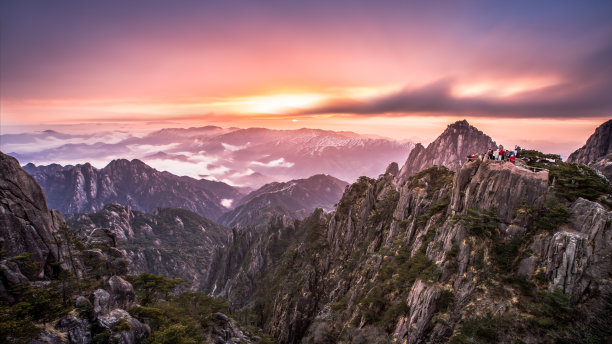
497	153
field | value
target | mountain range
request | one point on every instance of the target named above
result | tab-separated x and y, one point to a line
84	188
240	157
480	251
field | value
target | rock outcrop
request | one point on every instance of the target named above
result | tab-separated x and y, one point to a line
597	152
27	226
577	257
499	185
84	188
450	149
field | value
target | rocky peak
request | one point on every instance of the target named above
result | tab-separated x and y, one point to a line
597	146
392	169
597	152
135	164
449	149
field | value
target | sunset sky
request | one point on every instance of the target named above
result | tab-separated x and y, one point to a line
531	72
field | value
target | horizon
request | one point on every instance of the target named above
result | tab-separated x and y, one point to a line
532	74
142	146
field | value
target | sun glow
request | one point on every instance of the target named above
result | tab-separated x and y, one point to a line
503	89
281	103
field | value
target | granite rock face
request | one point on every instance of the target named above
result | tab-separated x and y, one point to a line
500	185
577	257
392	169
27	226
597	152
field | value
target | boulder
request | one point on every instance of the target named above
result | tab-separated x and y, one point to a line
121	292
79	330
123	327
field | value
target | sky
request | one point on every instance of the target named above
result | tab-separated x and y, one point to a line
536	73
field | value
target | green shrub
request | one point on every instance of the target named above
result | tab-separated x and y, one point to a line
479	223
526	287
451	258
101	338
122	325
552	215
354	192
552	308
390	316
540	277
146	312
479	330
385	208
16	328
175	334
570	180
374	304
432	179
340	305
151	288
433	209
504	255
445	300
576	180
538	159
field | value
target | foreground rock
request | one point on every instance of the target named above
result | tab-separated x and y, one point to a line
27	226
440	256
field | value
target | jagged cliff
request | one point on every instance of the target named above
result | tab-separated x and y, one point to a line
175	243
26	225
450	149
493	252
597	152
84	188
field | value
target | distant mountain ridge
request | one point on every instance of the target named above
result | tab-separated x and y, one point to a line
242	157
295	198
84	188
597	151
450	149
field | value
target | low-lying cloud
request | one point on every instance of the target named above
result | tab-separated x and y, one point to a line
241	157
